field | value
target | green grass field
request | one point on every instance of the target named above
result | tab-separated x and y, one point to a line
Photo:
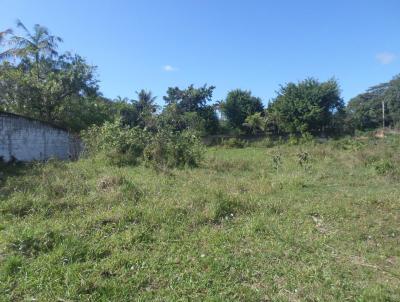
316	222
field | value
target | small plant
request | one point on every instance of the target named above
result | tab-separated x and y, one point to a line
384	166
293	140
12	265
224	207
277	161
304	159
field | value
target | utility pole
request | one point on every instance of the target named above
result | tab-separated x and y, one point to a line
383	114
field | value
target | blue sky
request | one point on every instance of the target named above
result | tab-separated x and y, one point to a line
250	44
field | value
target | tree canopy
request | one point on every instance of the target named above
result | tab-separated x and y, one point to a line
190	99
306	107
365	110
38	81
188	108
36	45
238	105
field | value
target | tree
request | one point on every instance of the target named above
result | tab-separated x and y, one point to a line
146	101
306	107
188	108
238	105
365	110
190	99
126	111
146	108
392	101
64	85
42	84
210	119
140	112
37	45
256	123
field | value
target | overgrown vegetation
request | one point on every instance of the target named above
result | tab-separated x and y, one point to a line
303	222
274	211
162	148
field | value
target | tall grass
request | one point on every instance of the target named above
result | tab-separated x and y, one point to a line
319	224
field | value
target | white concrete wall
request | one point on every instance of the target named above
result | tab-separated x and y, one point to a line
27	140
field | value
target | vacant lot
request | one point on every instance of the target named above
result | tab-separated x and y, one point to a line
314	222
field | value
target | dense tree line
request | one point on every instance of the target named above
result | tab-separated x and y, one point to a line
37	81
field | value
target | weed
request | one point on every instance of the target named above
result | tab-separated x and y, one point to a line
384	166
277	161
304	160
12	265
225	207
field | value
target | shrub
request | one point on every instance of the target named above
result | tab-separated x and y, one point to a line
304	160
167	149
277	161
164	148
120	144
292	140
306	138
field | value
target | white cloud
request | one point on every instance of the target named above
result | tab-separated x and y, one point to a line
169	68
385	57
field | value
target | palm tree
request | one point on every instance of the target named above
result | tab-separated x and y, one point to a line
146	101
255	123
38	44
120	99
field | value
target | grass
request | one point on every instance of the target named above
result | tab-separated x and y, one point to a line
316	222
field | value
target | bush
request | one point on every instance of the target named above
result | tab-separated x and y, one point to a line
168	149
292	140
306	138
304	160
120	144
162	149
